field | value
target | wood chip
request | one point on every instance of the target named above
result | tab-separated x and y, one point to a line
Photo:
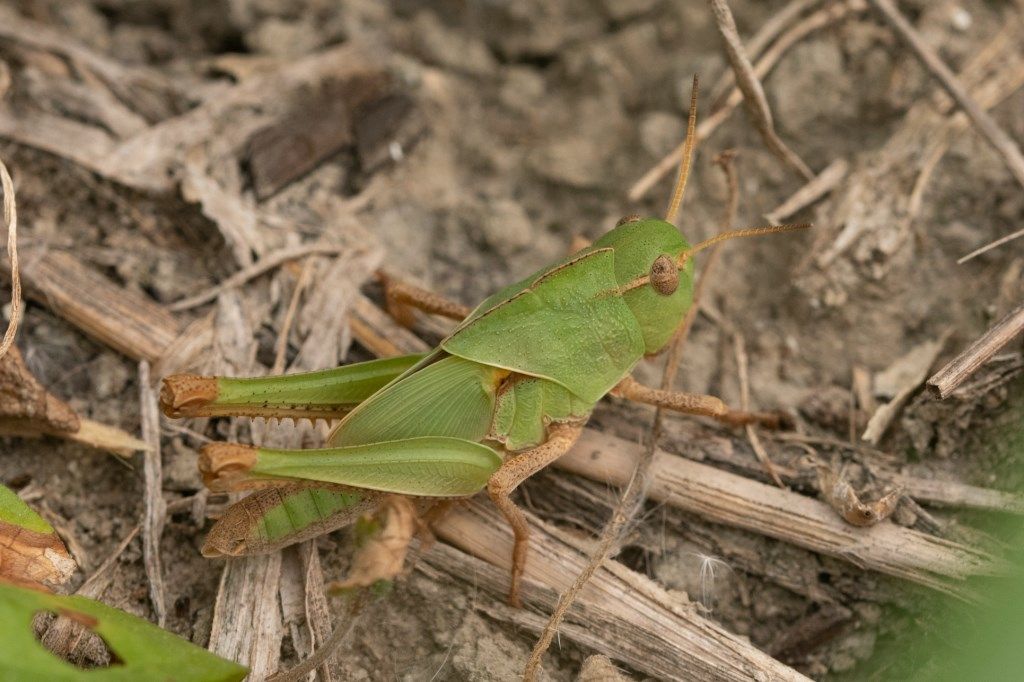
900	381
235	218
126	321
616	612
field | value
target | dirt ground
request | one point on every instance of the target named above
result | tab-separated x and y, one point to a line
531	120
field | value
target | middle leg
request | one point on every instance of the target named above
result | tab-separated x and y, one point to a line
695	403
514	471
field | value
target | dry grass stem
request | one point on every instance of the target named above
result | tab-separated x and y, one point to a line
947	379
736	501
771	29
11	224
281	345
827	15
907	374
262	266
991	245
986	125
323	655
106	437
742	369
155	507
823	183
753	91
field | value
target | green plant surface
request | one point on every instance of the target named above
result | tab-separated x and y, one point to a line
141	650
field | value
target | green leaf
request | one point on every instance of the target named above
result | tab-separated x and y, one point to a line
142	651
14	511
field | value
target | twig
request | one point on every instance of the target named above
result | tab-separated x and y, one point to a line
991	245
827	15
328	648
281	346
767	33
742	363
945	493
156	509
978	353
737	501
753	91
265	264
823	183
986	125
11	223
318	615
376	331
105	437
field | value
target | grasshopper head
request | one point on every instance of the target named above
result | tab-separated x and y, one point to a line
654	271
654	274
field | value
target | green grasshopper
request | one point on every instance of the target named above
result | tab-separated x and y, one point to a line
502	396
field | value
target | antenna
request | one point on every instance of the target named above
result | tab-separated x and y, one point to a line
684	164
735	234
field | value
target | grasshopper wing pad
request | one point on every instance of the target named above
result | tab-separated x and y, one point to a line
451	397
527	406
270	519
429	466
570	325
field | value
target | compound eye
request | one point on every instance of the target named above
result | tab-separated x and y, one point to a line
631	218
664	275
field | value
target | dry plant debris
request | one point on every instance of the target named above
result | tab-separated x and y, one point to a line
30	551
898	382
947	379
843	498
28	409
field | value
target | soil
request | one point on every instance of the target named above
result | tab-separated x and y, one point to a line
538	118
